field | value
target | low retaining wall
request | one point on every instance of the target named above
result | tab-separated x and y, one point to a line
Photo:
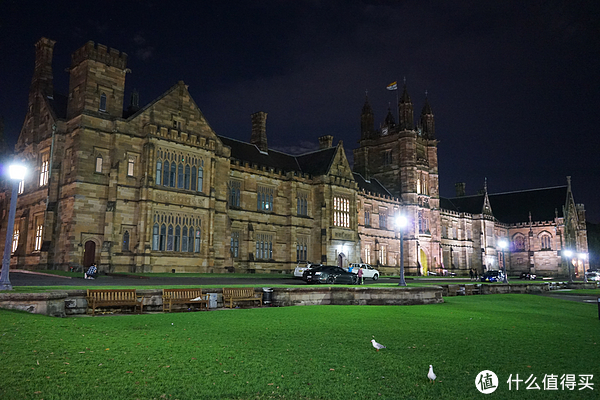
52	303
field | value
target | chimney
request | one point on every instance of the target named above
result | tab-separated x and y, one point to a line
259	130
460	189
42	74
325	142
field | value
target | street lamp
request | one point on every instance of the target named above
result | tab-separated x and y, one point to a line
16	174
401	222
503	245
569	254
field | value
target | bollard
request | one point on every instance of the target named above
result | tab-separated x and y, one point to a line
598	307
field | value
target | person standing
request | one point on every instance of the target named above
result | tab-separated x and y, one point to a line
471	274
360	276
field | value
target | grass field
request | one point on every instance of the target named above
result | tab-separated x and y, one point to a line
309	352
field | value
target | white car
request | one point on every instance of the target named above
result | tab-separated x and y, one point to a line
300	268
593	276
368	271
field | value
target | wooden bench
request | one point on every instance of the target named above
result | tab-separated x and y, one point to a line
183	296
240	294
112	298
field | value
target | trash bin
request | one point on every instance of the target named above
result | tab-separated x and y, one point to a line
212	300
267	295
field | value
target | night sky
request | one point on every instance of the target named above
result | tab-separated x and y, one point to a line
514	85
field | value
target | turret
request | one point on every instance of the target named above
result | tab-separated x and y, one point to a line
427	121
42	81
97	81
406	112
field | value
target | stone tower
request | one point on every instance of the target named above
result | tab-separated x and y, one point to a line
97	81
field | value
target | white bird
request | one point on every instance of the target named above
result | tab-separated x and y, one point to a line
431	375
377	345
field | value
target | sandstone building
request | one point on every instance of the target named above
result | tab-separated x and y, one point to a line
155	189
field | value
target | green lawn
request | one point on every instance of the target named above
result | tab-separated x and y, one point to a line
309	352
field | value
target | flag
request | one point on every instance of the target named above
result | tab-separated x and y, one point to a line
392	86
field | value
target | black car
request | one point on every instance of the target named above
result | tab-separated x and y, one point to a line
329	274
492	276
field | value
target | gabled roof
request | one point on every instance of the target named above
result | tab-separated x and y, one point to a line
314	163
58	102
514	207
371	186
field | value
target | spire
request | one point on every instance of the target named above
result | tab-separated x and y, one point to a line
367	119
389	119
427	120
406	111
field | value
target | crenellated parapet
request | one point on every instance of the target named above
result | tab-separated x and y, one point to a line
100	53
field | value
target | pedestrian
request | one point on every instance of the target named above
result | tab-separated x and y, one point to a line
476	274
471	273
360	276
91	272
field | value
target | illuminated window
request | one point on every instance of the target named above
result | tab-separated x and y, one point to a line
264	196
15	242
368	254
130	165
21	186
341	212
39	229
383	255
44	169
99	163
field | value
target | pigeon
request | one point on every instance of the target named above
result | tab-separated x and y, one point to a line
377	345
431	375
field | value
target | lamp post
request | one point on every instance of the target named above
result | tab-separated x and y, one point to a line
568	254
583	257
16	174
401	222
503	245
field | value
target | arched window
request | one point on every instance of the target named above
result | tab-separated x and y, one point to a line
126	241
172	174
545	241
519	241
155	237
177	237
170	238
180	176
166	174
99	163
163	237
193	178
200	178
184	240
197	240
186	178
191	240
103	102
158	171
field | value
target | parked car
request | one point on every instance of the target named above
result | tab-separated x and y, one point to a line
492	276
301	267
527	275
368	271
593	276
329	274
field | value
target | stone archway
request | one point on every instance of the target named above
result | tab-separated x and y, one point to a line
424	262
89	253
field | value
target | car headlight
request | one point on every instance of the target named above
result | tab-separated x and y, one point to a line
317	273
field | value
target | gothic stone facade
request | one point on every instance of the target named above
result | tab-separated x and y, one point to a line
155	189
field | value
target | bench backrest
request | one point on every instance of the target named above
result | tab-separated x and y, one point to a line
238	292
108	295
180	294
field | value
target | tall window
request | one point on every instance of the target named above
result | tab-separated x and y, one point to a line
155	237
264	196
99	163
158	172
130	165
367	217
234	193
170	238
519	241
420	217
197	240
341	212
172	174
15	241
301	249
102	102
186	178
39	229
234	247
387	157
180	176
126	241
302	204
200	178
368	254
177	240
184	239
44	169
264	247
193	178
163	237
383	255
382	218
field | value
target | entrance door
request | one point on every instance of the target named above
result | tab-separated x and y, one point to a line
89	254
424	264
